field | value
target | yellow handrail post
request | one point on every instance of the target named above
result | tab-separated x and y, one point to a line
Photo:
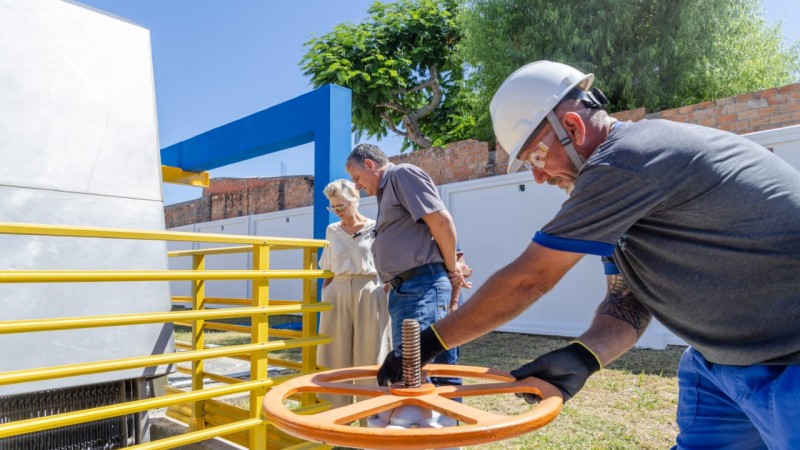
309	362
259	330
197	420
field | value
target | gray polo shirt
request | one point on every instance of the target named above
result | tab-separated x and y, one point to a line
705	227
402	239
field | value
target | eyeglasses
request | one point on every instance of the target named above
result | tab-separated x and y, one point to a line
536	158
336	208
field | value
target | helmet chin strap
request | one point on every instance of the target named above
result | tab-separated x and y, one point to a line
566	142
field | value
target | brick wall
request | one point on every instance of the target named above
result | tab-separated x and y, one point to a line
468	160
185	213
747	113
459	161
236	197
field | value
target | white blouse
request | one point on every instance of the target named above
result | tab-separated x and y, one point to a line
349	254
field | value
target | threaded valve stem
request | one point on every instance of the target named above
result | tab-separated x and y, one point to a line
411	354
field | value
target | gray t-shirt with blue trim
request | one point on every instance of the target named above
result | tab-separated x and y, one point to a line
705	227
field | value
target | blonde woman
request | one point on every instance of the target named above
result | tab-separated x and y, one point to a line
359	321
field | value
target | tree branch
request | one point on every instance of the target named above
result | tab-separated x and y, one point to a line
411	117
394	106
413	132
410	120
389	122
417	88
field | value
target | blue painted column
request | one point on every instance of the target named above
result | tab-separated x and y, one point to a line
331	148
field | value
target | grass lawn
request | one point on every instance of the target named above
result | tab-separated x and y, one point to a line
629	405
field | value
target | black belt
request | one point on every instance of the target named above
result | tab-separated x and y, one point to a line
416	271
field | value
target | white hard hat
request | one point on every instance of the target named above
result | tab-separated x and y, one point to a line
526	97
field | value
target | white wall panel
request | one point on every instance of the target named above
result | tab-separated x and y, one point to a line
369	207
496	219
294	223
785	142
181	263
239	226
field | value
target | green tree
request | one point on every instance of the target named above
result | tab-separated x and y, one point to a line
403	69
645	53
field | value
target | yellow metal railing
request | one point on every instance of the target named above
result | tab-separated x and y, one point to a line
200	407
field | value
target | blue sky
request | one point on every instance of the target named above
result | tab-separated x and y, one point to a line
216	61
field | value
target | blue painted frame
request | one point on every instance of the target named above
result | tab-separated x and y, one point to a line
322	116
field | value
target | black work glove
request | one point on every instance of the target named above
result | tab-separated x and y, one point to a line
391	370
566	368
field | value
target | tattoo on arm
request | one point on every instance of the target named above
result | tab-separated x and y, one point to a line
620	303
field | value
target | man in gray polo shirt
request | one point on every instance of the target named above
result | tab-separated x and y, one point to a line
415	242
700	228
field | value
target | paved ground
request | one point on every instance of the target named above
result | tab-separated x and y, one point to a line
162	426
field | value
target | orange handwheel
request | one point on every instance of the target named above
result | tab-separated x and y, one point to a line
474	425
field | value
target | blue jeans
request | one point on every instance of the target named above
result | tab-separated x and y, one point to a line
737	407
424	298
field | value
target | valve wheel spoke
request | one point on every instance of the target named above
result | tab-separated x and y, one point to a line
475	427
459	411
359	410
343	388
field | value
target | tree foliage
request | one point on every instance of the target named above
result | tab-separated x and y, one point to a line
644	53
403	69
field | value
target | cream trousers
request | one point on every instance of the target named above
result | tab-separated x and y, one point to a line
358	325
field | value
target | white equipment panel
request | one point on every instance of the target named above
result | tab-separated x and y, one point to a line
79	145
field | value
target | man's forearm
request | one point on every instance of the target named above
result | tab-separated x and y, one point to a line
608	338
619	322
443	230
506	294
483	313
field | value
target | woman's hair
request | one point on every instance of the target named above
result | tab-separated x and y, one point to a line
342	188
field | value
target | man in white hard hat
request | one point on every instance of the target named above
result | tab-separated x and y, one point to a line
697	227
